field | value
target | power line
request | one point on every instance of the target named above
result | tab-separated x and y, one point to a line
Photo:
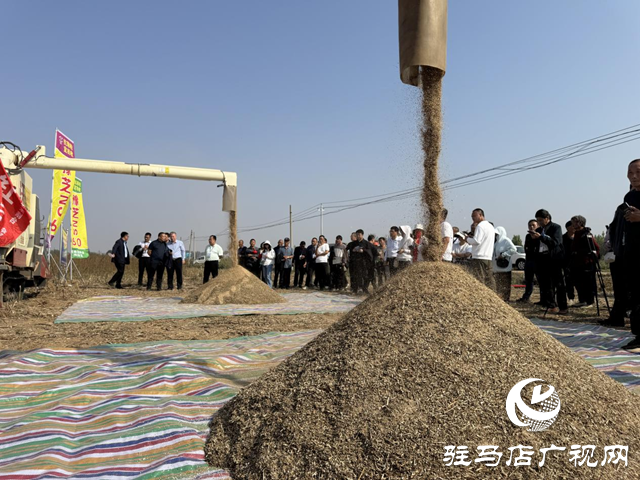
575	150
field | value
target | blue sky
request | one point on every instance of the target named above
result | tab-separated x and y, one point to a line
304	101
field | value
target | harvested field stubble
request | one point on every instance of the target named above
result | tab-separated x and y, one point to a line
234	285
427	361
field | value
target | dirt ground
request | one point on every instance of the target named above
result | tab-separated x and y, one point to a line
28	324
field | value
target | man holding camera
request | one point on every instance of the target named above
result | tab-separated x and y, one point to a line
549	261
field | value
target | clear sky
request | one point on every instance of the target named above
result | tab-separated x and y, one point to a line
303	100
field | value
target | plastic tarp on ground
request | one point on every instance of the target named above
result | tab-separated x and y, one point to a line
142	410
138	309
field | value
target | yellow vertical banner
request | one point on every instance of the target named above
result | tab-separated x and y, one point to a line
79	245
63	181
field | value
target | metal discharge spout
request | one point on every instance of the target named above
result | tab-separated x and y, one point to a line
423	37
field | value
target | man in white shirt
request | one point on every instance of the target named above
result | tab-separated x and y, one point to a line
322	262
482	238
178	252
391	253
447	237
212	255
143	259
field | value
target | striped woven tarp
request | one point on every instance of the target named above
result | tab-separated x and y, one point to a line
138	309
124	411
141	410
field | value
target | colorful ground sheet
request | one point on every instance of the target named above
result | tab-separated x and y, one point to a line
141	410
137	309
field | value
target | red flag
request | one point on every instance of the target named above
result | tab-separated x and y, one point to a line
14	217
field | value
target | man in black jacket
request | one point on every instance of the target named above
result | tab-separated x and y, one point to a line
549	261
159	254
120	257
311	263
361	253
299	262
531	246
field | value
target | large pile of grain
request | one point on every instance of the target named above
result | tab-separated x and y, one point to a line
234	285
426	362
431	136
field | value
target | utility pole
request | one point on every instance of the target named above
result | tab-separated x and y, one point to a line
190	244
290	227
321	219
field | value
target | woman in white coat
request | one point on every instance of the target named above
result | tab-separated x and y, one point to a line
267	261
503	248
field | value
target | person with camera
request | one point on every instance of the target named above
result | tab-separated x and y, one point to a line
481	237
567	241
549	261
584	254
252	258
503	249
141	253
629	253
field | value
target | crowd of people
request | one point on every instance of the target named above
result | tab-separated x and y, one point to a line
564	264
165	253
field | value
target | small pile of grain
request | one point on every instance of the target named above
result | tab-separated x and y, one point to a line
426	362
431	136
234	285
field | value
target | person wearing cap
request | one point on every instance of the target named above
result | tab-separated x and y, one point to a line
503	249
418	239
286	253
447	237
461	251
266	262
300	263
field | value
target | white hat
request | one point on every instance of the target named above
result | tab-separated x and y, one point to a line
267	241
419	226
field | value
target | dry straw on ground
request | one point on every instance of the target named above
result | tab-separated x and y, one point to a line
234	285
427	361
431	135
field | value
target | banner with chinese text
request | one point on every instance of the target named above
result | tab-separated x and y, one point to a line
14	216
79	245
63	181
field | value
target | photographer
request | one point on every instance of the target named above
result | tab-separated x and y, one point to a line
549	260
584	254
630	258
531	246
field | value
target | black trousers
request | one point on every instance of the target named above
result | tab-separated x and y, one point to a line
322	275
631	262
155	269
585	282
570	282
298	279
311	277
339	279
176	267
372	273
210	270
278	274
117	277
529	273
551	280
381	273
620	291
359	275
285	278
142	267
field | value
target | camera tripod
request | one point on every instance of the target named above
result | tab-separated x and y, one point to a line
596	262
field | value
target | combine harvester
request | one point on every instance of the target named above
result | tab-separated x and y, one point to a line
22	263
